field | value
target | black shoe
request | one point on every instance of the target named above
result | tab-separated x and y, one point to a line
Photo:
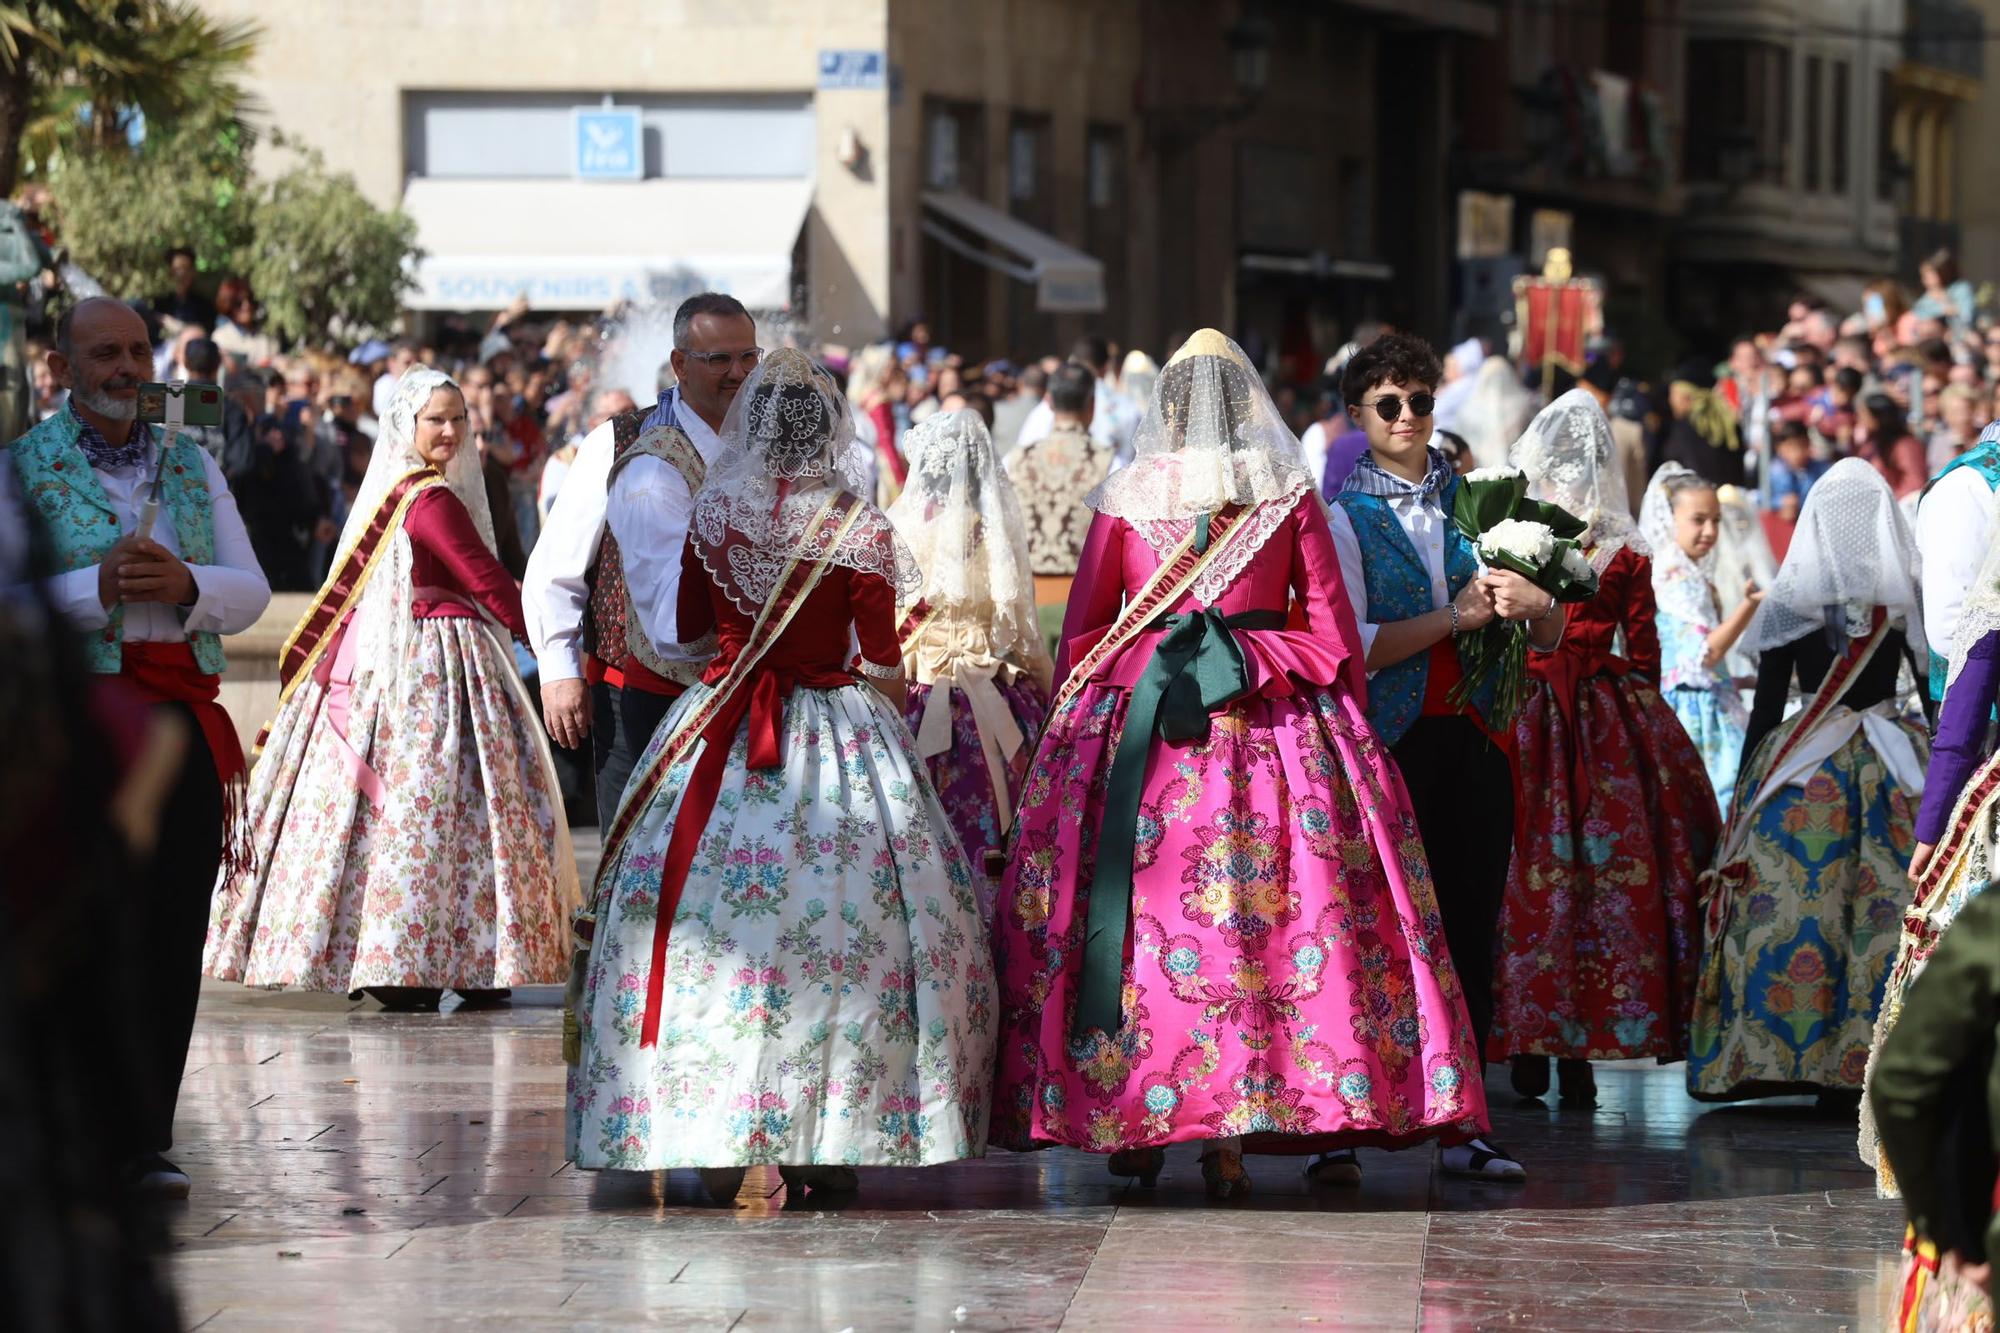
154	1177
1578	1083
406	999
1339	1167
1530	1075
484	997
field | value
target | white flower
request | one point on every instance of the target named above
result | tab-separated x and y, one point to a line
1531	543
1480	474
1576	565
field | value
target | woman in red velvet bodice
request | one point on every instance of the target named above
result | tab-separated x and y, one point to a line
1598	931
408	827
788	963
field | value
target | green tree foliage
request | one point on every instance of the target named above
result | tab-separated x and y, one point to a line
325	262
76	75
118	211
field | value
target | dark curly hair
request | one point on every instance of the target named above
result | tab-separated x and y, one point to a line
1401	358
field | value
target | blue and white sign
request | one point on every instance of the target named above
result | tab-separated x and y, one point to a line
609	143
859	70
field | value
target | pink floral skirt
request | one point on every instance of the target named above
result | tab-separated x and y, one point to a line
1286	974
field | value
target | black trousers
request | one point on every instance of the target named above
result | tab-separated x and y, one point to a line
1462	791
172	907
622	723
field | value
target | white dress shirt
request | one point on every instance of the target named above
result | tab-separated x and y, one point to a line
1313	445
229	594
652	504
1954	528
1423	522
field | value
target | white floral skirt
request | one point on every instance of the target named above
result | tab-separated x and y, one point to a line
829	990
464	875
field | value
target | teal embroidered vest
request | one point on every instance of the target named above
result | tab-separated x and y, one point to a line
1399	587
57	480
1984	458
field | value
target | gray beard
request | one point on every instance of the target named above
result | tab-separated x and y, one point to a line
102	403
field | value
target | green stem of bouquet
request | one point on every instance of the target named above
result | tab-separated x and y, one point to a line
1498	653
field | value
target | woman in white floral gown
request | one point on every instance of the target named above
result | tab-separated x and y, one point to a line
788	965
407	827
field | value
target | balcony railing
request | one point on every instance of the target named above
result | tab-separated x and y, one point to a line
1946	34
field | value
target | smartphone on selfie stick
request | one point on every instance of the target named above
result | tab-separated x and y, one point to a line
173	406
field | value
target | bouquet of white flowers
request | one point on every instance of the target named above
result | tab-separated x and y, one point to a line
1538	541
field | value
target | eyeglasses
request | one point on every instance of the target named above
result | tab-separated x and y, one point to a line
1390	406
717	362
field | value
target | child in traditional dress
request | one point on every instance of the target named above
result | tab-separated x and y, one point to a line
1807	904
1681	520
972	646
1600	933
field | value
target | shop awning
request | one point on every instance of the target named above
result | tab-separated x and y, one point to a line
1065	280
583	245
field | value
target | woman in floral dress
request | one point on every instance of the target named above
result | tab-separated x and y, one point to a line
409	831
1682	520
788	964
1217	920
1599	929
1807	904
971	645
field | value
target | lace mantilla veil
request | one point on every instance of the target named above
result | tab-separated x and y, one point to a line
786	449
962	520
1852	552
383	618
1569	457
1682	585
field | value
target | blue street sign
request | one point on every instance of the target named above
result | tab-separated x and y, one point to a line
609	143
862	70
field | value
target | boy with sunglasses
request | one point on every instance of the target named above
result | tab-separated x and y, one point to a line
1416	586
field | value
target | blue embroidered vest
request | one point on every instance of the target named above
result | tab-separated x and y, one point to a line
1399	587
57	480
1983	458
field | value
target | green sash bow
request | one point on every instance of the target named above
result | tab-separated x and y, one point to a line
1198	669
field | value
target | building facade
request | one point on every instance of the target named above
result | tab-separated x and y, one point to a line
1015	172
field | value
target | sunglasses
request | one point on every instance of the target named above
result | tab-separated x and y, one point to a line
1390	406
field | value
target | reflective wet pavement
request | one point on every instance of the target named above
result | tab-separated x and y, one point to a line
356	1169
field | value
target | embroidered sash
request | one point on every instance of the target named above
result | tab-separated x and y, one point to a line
1968	819
720	710
1169	583
341	592
912	627
1731	868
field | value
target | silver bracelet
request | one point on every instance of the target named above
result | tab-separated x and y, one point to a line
1452	607
1551	611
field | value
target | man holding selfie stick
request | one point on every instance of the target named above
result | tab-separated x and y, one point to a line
156	568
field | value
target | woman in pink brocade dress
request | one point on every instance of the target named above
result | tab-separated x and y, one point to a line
1217	921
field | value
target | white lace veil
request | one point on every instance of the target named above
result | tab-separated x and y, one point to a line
383	618
1210	437
1852	552
1570	461
1496	411
1979	615
962	520
1137	375
785	451
1682	585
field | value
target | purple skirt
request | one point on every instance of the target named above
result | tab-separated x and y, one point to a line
960	773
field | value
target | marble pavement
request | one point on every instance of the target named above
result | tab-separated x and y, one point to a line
361	1170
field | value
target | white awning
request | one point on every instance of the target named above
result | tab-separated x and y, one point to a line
583	245
1064	279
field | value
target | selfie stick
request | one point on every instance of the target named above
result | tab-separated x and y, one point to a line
176	417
